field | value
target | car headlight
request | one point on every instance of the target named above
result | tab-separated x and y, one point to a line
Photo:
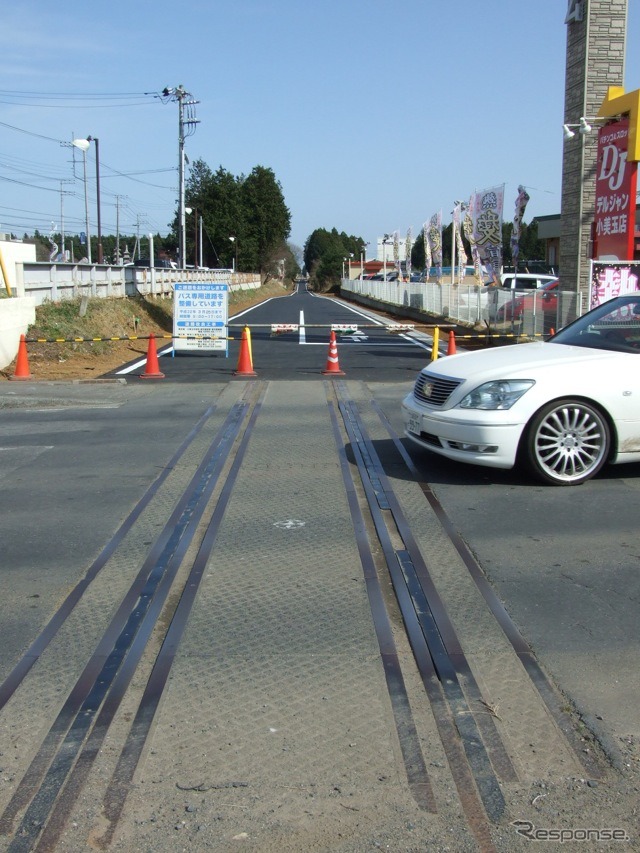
501	394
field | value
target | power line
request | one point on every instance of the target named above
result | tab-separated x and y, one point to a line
31	133
76	106
78	95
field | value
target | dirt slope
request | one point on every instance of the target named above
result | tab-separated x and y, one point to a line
98	320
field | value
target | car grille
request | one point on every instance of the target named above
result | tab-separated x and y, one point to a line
434	390
430	439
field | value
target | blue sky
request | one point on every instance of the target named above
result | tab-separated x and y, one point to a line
373	115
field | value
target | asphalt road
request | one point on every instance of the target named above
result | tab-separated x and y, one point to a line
371	354
566	562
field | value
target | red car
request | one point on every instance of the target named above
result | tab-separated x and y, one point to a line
544	299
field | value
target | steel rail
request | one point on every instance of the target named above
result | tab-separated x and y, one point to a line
415	766
113	663
418	576
120	783
522	649
474	775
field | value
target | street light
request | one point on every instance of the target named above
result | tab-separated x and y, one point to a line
235	244
83	145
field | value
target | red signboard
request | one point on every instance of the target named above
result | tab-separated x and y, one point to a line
616	180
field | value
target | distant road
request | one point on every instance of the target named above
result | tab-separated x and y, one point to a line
371	354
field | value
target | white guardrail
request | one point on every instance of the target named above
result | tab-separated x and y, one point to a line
527	312
55	282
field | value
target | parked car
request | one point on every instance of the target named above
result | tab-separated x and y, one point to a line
158	263
545	299
562	408
379	276
510	285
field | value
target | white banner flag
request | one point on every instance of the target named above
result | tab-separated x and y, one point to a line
434	235
521	203
487	229
467	227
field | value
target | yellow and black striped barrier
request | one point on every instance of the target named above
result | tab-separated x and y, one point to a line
126	338
281	328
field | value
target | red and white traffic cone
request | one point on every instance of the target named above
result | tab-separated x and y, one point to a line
245	364
152	369
22	362
333	366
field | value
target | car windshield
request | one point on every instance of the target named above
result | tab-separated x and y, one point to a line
614	325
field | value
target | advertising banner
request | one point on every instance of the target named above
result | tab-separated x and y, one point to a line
521	204
612	279
200	315
461	252
428	260
407	253
487	228
616	180
434	238
467	227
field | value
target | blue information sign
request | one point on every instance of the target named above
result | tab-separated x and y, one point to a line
200	314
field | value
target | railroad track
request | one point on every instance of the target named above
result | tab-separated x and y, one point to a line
95	727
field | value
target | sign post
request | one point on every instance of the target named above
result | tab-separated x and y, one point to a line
200	315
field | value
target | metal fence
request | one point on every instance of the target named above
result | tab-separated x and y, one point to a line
55	282
528	312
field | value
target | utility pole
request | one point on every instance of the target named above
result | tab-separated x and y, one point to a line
137	243
96	142
63	193
186	127
117	258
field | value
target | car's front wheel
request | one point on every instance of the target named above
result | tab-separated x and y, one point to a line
566	443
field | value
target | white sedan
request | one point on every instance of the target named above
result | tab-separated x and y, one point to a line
562	407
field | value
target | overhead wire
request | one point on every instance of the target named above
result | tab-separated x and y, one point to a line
104	166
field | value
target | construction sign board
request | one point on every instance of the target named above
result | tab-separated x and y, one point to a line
200	315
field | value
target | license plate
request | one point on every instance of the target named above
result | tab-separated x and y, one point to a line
413	424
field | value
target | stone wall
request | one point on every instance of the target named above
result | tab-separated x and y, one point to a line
595	60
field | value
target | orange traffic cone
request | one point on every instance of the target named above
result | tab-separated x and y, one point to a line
22	362
152	370
451	349
245	365
333	367
552	332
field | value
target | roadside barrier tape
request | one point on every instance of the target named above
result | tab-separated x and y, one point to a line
280	328
400	327
127	338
